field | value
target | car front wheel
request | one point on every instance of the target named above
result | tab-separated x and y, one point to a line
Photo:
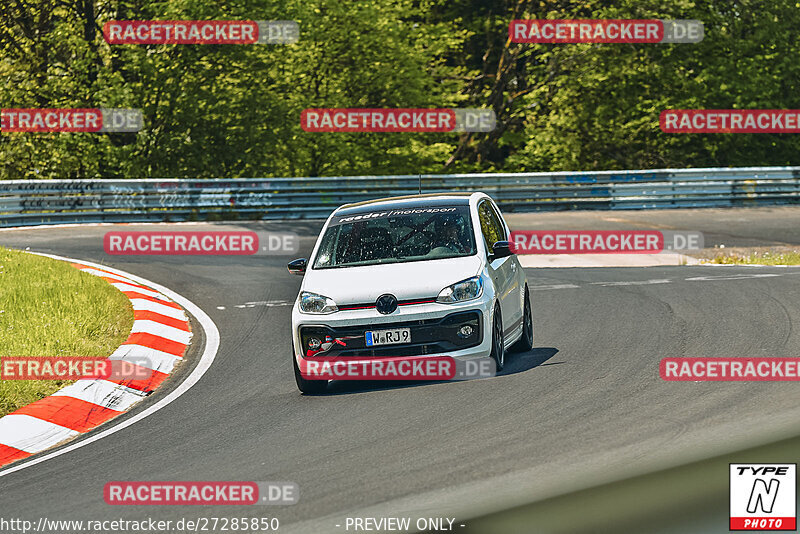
498	347
307	386
525	343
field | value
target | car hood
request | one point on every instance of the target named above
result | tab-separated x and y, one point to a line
410	280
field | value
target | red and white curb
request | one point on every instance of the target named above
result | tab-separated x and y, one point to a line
158	340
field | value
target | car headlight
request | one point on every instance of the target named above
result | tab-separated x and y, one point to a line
313	303
468	289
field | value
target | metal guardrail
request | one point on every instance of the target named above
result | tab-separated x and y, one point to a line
36	202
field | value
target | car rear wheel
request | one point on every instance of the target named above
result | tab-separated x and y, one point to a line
307	386
498	347
525	343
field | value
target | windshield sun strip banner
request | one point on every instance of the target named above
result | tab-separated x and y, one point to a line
380	214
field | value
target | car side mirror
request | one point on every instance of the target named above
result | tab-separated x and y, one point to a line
501	249
298	266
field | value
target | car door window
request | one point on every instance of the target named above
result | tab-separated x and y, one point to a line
491	227
498	223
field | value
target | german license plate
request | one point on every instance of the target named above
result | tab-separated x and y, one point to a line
388	337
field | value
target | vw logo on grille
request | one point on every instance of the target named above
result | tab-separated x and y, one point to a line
386	304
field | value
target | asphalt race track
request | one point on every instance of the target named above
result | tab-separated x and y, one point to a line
586	406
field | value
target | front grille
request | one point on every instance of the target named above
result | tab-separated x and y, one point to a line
371	305
428	336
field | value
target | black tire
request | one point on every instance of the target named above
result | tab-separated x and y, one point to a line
307	386
525	343
498	343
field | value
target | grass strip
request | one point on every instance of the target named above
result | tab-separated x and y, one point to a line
758	258
49	308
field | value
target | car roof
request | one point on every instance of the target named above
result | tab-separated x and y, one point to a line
406	202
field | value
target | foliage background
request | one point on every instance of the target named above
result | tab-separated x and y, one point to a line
234	111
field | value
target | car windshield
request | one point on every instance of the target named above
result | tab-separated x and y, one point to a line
396	235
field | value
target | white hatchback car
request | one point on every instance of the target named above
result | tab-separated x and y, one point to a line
408	277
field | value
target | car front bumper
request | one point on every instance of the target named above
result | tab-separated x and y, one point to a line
434	331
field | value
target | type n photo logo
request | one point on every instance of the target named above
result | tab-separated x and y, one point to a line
763	497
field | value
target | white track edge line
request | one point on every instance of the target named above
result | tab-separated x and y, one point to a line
206	359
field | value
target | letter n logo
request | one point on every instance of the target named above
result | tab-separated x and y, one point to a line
763	496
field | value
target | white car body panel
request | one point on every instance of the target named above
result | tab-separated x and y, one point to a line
503	282
350	285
